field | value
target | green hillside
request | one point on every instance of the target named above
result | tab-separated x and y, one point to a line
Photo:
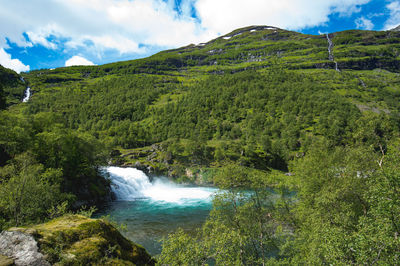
240	111
259	95
12	85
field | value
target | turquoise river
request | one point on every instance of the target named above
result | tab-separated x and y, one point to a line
151	210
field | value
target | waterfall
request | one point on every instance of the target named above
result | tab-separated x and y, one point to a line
330	51
330	46
130	184
27	95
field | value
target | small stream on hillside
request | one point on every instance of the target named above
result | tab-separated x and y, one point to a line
152	210
330	51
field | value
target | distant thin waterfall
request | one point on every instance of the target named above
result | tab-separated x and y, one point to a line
330	50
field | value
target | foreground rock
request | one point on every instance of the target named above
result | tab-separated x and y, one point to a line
71	240
22	248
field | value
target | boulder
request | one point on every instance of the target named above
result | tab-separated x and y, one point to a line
22	248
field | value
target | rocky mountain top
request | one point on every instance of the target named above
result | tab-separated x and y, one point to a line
396	28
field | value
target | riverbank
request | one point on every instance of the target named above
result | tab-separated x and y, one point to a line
161	160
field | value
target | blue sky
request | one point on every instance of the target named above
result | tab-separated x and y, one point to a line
37	34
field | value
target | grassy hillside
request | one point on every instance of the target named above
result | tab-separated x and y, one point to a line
259	95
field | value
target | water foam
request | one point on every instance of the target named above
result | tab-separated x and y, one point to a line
129	184
27	95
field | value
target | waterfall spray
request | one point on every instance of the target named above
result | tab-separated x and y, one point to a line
129	184
27	95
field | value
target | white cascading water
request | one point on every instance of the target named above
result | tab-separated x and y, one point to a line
129	184
27	95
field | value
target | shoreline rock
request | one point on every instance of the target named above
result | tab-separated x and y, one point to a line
21	248
71	239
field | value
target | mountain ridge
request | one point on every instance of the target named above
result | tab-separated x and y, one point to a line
213	51
396	28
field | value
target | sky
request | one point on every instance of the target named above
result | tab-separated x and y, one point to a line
37	34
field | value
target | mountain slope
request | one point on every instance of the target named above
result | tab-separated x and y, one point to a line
255	46
259	95
13	86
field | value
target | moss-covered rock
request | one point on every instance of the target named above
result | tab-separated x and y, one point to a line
78	240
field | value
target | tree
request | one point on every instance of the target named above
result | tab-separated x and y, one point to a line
79	156
2	98
28	191
348	207
378	238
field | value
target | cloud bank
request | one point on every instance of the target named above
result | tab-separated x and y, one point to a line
364	23
394	19
14	64
77	60
226	15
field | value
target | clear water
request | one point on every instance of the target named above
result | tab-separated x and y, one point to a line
152	210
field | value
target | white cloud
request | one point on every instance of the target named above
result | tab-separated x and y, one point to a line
226	15
41	36
155	22
364	23
120	43
77	60
105	24
102	42
14	64
374	15
394	19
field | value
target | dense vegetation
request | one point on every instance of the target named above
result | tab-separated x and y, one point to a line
339	214
46	165
239	111
11	87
